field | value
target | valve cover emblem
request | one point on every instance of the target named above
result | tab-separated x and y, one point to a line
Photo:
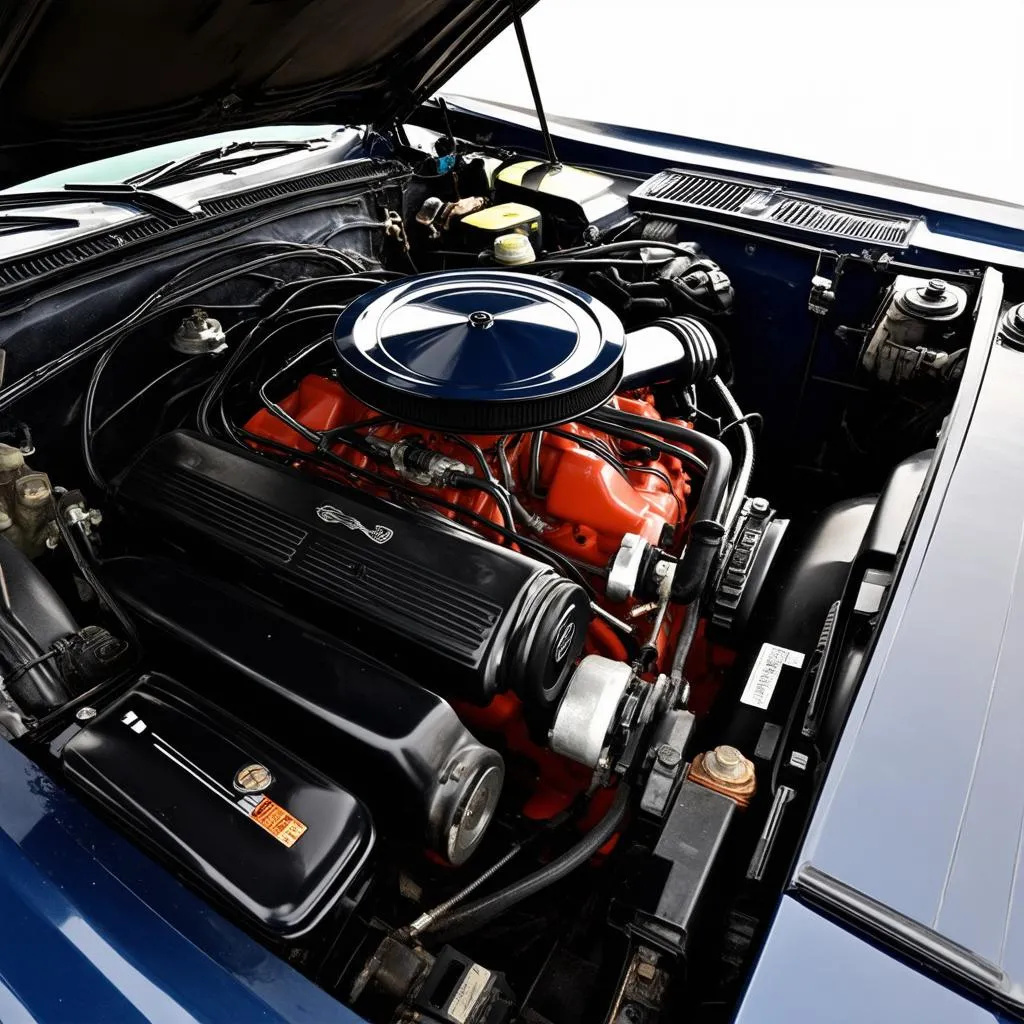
333	514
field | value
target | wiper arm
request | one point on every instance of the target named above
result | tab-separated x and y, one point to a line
145	202
220	160
120	192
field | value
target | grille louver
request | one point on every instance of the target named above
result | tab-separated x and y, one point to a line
699	190
675	189
847	223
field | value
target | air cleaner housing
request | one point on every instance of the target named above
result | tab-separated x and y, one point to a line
479	351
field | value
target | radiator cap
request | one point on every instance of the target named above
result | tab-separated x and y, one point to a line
479	351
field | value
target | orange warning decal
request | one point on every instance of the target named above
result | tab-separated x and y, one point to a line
284	827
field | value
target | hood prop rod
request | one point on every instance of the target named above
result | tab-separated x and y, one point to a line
538	106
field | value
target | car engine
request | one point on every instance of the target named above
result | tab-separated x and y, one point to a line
445	632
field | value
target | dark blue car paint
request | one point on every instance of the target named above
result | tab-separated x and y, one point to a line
923	808
95	930
813	970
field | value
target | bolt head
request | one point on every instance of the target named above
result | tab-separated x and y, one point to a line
85	714
726	755
727	764
668	756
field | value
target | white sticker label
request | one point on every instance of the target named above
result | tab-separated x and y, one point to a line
765	674
468	995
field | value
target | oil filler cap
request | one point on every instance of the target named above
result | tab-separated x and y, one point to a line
479	351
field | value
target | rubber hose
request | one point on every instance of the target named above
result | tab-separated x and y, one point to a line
485	909
707	530
711	451
685	641
746	470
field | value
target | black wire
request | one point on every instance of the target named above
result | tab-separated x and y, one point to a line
592	446
750	417
241	354
497	492
78	546
347	433
477	453
132	399
19	670
600	450
646	440
536	440
158	303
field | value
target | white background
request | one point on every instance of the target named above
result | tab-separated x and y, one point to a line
929	92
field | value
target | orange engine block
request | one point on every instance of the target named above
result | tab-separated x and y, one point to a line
591	490
586	502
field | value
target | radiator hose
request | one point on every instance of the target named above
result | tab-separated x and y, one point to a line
479	912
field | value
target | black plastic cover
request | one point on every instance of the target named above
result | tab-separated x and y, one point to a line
398	746
165	763
40	619
450	609
677	886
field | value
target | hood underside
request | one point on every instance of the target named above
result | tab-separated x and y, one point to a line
92	79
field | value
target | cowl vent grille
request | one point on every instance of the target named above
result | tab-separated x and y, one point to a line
26	268
675	190
358	171
23	269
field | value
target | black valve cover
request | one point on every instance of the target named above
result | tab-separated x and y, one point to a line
453	611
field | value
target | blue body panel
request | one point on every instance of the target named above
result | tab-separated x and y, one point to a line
95	930
933	828
812	971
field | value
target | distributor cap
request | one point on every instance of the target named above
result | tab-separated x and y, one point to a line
482	351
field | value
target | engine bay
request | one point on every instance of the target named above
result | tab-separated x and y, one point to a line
447	591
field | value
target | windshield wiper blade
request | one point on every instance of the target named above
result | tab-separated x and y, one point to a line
221	159
145	202
11	224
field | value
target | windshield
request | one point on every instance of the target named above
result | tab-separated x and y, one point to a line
918	91
129	165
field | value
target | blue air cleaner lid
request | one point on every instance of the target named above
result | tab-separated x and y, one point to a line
479	351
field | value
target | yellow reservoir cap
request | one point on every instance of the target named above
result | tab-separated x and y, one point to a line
513	250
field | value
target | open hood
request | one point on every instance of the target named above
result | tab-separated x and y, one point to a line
84	80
